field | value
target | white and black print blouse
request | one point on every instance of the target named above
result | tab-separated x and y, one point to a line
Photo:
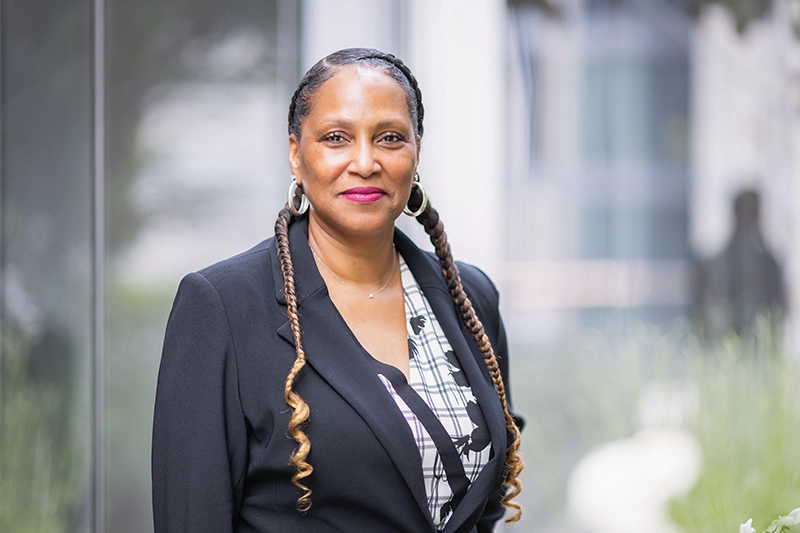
438	405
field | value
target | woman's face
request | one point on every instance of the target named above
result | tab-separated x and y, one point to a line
357	153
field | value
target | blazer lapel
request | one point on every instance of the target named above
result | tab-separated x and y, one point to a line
343	363
430	279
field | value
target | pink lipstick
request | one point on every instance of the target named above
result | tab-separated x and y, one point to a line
364	194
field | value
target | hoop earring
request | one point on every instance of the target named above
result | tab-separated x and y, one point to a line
300	210
423	203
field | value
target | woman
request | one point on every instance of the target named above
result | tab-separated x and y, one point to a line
332	378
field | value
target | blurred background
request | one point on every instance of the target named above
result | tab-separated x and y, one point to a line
625	170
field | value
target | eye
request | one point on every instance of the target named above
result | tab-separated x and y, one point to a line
333	137
392	138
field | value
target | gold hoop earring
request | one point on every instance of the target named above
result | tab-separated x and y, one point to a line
423	202
297	210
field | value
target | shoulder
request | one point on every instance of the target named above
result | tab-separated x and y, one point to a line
480	289
251	259
232	281
484	296
244	268
426	268
477	284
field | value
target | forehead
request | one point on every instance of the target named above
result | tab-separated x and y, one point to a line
357	91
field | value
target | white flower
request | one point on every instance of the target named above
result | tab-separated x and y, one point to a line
747	527
790	519
779	525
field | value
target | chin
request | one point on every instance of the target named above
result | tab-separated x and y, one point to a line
358	219
368	225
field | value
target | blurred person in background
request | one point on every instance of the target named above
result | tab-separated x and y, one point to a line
335	377
744	281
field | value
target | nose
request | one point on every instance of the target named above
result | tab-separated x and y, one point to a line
363	161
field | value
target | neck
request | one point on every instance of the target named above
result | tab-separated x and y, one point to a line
363	262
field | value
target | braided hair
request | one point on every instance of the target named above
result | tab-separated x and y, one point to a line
299	108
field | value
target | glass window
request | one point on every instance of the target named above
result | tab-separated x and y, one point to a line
46	246
196	155
635	139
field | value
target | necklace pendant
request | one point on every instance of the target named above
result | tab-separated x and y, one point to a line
371	295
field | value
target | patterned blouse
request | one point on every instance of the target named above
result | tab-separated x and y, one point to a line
439	406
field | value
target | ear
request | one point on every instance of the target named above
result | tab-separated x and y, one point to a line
294	158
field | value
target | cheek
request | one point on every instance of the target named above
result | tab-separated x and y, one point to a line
308	168
406	170
403	163
318	164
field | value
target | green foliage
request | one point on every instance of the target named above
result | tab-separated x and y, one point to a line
577	396
40	469
586	393
137	315
748	425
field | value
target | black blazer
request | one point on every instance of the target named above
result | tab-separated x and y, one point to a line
220	439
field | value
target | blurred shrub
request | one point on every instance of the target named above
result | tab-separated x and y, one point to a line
586	392
39	470
576	396
748	424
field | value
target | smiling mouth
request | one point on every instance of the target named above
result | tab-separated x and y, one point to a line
364	194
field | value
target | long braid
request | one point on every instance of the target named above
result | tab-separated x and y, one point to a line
514	465
300	410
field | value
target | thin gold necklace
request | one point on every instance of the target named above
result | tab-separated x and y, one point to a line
370	294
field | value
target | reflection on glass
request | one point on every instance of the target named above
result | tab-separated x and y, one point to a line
599	167
195	141
45	267
635	138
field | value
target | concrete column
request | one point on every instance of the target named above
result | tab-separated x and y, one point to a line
456	50
329	25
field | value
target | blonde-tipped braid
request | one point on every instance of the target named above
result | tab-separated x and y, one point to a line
514	465
300	410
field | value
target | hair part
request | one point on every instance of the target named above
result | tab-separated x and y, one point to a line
327	67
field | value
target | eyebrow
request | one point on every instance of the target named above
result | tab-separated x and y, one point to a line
392	123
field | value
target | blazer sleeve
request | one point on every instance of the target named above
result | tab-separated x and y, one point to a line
485	298
199	432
